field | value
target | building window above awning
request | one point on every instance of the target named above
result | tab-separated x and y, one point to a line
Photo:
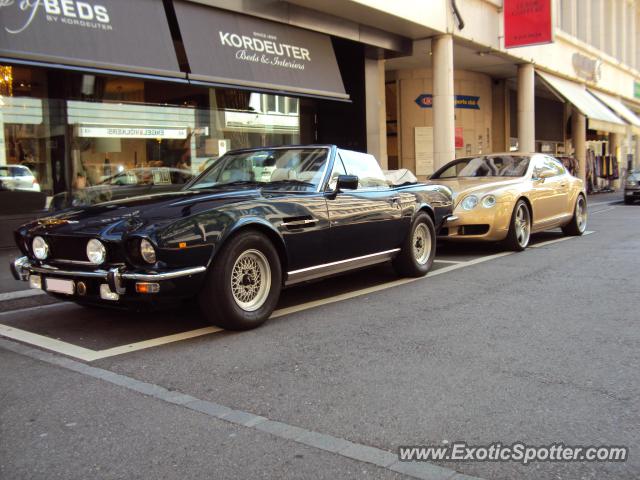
598	115
232	49
108	35
620	108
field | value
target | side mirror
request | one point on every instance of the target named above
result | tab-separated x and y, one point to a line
347	182
540	175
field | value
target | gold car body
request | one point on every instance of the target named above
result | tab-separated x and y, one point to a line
551	200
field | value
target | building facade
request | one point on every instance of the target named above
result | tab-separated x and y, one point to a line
94	88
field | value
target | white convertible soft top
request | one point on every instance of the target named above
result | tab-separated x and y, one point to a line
400	177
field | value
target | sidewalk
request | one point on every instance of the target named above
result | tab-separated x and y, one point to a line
617	196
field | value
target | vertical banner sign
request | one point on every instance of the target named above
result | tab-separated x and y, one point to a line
527	22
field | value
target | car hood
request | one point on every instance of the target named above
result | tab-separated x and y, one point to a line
147	211
467	185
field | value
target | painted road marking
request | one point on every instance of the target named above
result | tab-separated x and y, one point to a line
89	355
437	260
20	294
603	210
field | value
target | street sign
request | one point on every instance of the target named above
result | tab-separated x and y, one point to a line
527	22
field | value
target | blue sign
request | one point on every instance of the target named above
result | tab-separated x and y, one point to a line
425	100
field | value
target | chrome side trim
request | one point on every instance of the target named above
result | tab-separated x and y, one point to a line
299	223
317	271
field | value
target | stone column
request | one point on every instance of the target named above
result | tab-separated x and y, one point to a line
376	110
526	108
579	129
444	140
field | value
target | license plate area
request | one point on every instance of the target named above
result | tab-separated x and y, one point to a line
58	285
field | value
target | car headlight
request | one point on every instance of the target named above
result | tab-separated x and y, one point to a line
630	183
470	202
96	253
489	201
40	248
147	251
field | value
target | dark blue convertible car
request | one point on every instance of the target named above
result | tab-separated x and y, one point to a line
254	222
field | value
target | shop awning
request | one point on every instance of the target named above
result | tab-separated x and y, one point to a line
233	49
106	35
621	109
598	115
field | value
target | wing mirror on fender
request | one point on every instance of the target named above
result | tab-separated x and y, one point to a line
344	182
540	175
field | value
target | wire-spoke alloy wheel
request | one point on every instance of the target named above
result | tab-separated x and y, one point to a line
520	228
251	280
418	249
421	244
578	223
243	282
523	225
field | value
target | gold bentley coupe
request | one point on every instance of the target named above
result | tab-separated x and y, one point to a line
508	196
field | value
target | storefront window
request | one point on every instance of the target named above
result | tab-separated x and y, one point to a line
89	138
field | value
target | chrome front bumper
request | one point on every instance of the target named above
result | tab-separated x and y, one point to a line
22	267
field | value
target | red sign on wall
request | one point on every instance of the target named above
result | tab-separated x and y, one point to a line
527	22
459	138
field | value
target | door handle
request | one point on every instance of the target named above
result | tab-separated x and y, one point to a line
563	185
394	201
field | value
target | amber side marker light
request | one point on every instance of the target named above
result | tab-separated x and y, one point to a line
182	245
144	287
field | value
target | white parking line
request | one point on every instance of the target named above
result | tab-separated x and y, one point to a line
557	240
603	210
89	355
437	260
19	294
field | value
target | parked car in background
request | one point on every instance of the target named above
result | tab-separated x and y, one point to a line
129	183
632	187
508	196
256	221
18	177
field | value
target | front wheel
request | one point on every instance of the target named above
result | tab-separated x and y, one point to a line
419	249
244	282
578	223
520	227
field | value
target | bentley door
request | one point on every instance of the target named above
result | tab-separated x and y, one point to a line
550	195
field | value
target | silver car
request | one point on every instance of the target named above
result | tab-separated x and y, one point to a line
18	177
632	187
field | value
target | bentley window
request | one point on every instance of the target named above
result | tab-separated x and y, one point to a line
300	168
485	166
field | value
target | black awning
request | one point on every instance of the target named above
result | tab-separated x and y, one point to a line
228	48
109	34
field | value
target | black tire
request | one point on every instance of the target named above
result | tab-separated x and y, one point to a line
218	302
628	200
578	223
518	239
419	248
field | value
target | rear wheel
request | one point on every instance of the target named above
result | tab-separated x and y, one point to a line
578	223
520	227
243	284
419	249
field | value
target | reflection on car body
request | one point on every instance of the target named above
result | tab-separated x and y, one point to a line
255	221
18	177
506	197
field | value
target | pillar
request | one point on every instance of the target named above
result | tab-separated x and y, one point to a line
376	110
636	156
526	108
444	141
579	129
616	148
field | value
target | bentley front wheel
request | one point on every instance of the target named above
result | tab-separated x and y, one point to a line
520	228
243	284
419	249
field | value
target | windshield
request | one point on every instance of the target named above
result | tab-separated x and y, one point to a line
294	168
485	166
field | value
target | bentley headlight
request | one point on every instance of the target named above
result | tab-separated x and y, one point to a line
96	253
470	202
147	251
40	248
489	201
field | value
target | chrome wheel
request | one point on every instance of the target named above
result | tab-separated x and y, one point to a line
251	280
523	225
581	214
421	244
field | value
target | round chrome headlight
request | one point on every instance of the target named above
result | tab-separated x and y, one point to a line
147	252
470	202
96	253
489	201
40	248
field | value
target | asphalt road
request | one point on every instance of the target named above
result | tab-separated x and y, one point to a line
540	347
